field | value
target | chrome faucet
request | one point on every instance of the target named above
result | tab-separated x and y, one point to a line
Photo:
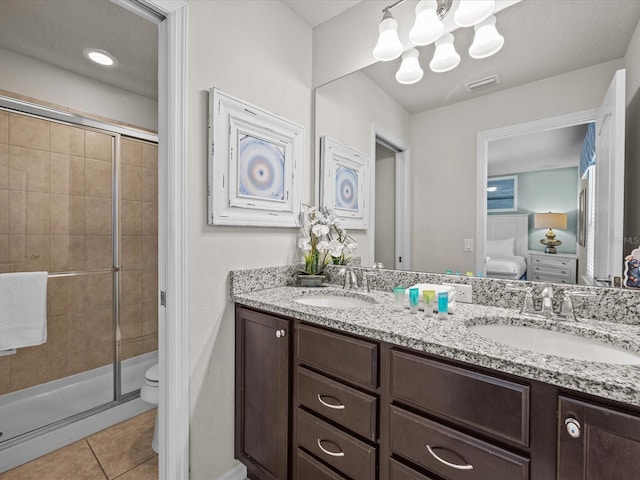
546	308
350	278
566	310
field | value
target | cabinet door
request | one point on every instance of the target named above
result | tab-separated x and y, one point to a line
262	394
605	444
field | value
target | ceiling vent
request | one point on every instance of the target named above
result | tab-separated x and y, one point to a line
482	83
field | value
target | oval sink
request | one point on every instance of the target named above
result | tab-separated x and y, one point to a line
332	301
557	343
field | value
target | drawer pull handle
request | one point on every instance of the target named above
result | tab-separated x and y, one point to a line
333	454
448	464
339	406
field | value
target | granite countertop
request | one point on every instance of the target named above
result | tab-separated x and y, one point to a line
450	337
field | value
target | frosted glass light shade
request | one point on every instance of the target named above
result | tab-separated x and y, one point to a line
445	57
410	70
472	12
487	41
427	27
389	46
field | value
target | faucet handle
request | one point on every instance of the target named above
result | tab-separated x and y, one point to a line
567	309
528	307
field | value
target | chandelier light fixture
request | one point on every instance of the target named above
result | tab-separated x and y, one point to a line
429	28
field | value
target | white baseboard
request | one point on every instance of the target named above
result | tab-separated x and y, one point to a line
239	472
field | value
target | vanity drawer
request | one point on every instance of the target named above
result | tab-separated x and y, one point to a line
347	406
451	454
308	468
398	471
350	358
354	458
500	407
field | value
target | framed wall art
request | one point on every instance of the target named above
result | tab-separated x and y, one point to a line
256	162
344	183
502	194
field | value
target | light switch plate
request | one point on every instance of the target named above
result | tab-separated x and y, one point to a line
468	244
464	293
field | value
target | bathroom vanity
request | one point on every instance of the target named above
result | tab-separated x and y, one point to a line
369	393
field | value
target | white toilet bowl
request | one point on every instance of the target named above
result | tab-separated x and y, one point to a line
149	393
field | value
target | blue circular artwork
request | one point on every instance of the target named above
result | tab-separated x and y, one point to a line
346	188
261	169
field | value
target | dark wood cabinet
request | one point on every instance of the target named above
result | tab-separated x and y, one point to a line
597	443
313	403
262	402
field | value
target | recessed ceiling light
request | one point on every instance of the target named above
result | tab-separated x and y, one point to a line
101	57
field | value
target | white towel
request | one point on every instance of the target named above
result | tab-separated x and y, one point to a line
437	288
23	309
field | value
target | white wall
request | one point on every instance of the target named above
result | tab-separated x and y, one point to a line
39	80
444	146
632	64
260	52
346	111
385	214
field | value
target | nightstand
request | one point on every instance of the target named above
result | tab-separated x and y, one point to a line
555	268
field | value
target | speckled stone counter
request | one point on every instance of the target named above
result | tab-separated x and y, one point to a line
450	337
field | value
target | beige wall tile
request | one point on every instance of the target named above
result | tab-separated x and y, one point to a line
66	295
5	381
67	174
131	218
131	183
149	185
29	367
130	287
28	132
66	215
150	250
132	348
131	152
99	339
99	251
4	212
4	127
29	253
130	250
149	318
17	212
150	156
66	139
67	253
149	343
4	249
150	284
98	146
99	291
37	213
149	218
97	216
5	268
131	321
4	166
97	178
28	169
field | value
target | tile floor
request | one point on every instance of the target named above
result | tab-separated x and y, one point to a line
121	452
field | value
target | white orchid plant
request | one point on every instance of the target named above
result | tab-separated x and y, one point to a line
322	241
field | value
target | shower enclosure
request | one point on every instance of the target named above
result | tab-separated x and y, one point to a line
78	199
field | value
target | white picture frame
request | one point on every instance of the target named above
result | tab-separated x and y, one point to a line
344	183
256	165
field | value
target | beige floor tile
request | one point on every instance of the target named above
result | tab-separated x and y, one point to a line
125	445
72	462
147	471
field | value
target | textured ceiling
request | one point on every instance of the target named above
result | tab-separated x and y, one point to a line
542	38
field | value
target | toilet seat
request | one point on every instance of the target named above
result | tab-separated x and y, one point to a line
153	374
149	391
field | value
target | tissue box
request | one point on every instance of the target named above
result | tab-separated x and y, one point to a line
437	288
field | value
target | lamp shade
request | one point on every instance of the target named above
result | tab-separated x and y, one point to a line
487	41
427	27
410	70
550	220
445	57
472	12
389	46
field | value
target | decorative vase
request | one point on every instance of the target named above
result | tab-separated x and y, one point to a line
305	280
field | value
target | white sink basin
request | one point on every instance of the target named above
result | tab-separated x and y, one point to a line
557	343
332	301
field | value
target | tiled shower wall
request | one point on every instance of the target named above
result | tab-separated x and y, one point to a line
56	215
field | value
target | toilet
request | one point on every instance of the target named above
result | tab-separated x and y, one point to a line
149	393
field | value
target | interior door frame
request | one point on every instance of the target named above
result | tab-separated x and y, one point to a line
171	16
403	196
482	155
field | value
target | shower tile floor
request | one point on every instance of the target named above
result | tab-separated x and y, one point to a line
121	452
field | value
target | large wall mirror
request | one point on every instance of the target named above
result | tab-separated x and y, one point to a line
436	144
